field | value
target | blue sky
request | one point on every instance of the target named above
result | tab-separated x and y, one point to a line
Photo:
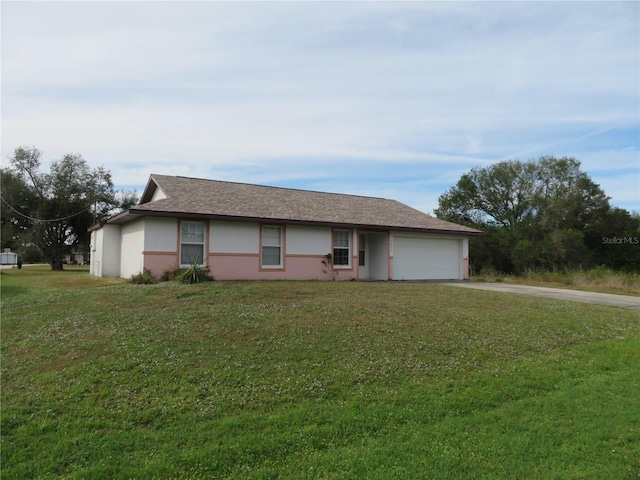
390	99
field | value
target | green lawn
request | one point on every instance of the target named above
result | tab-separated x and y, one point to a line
307	380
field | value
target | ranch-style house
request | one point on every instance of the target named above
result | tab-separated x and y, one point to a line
252	232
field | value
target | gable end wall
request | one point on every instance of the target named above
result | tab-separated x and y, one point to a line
131	247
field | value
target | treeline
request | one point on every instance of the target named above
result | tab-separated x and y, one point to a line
543	214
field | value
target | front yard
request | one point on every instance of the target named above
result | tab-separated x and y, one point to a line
295	380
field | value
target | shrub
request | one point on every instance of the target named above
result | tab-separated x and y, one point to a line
194	274
143	278
172	274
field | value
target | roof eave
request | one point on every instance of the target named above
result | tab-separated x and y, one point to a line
133	214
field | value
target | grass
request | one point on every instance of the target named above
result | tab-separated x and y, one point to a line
309	380
598	279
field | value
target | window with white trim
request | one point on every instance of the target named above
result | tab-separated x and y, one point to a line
271	247
341	248
192	243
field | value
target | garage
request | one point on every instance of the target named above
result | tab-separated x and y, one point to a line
420	258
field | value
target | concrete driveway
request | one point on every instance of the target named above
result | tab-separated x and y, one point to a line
624	301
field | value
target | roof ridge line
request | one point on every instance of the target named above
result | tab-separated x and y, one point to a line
274	187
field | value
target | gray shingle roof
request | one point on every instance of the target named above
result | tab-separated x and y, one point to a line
216	199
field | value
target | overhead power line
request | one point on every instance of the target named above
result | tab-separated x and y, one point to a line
43	220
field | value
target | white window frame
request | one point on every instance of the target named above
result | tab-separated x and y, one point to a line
185	223
347	248
279	245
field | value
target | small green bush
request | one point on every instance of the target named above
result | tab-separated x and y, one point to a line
143	278
171	274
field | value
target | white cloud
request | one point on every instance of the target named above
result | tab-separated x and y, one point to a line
213	88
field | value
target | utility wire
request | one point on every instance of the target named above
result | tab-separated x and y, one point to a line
41	219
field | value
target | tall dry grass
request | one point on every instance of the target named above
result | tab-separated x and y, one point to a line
601	279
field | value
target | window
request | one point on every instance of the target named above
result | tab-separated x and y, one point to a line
362	251
271	247
341	248
191	243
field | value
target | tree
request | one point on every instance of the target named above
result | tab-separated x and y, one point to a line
614	239
15	227
536	213
58	207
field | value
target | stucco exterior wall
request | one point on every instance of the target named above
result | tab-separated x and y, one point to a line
105	251
160	234
95	265
247	267
160	244
131	248
234	237
379	250
233	251
303	240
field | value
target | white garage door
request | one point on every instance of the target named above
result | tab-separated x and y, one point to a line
426	258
